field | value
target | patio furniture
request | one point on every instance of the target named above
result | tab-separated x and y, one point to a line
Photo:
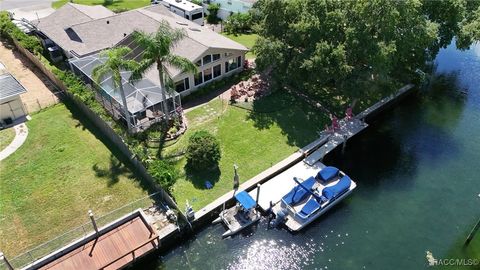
149	114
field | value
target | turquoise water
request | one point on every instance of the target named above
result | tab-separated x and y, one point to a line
418	176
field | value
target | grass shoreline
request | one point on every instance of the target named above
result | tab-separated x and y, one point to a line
274	123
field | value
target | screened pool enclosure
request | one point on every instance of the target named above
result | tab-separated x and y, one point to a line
144	98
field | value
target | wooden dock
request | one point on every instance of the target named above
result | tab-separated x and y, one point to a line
112	250
348	129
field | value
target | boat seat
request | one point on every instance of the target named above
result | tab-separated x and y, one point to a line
309	208
297	194
328	173
332	192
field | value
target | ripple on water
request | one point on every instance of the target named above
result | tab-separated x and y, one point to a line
273	254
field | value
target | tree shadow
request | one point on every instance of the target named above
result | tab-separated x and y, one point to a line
85	123
113	172
299	121
199	177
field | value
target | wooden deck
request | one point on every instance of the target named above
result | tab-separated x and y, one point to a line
112	250
348	129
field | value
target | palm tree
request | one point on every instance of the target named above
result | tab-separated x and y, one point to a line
158	51
114	64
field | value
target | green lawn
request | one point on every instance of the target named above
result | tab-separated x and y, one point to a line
62	170
6	137
247	40
116	5
254	140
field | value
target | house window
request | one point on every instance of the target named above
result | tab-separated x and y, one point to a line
207	75
217	71
216	57
231	64
199	63
228	54
239	62
198	78
182	85
207	59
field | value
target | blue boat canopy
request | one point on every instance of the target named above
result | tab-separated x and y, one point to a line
245	200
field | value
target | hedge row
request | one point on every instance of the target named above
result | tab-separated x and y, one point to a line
9	31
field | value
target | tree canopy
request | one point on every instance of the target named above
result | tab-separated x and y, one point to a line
351	49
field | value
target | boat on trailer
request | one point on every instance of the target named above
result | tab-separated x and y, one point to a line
312	197
241	216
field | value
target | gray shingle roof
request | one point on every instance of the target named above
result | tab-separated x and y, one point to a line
10	87
88	36
56	24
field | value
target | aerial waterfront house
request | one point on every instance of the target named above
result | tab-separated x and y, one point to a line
81	32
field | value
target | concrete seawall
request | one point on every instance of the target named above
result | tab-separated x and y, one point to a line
208	213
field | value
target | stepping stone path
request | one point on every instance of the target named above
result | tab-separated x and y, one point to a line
21	133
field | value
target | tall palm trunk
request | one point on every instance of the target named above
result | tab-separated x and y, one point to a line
162	89
125	108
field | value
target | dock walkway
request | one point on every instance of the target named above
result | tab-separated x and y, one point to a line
348	129
113	250
114	246
273	190
273	179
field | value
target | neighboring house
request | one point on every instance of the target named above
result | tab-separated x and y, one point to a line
11	106
227	7
82	39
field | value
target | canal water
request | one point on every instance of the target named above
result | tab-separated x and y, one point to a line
418	176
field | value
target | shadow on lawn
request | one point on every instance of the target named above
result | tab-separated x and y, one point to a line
85	123
198	178
113	171
299	121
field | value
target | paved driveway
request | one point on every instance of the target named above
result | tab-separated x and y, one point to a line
28	9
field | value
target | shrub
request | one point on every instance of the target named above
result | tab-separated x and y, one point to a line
203	151
10	31
212	16
164	173
238	23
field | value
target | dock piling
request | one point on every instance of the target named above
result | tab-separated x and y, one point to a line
4	259
94	223
472	233
258	195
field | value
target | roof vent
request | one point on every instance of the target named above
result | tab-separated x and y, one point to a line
124	34
182	23
195	29
108	22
